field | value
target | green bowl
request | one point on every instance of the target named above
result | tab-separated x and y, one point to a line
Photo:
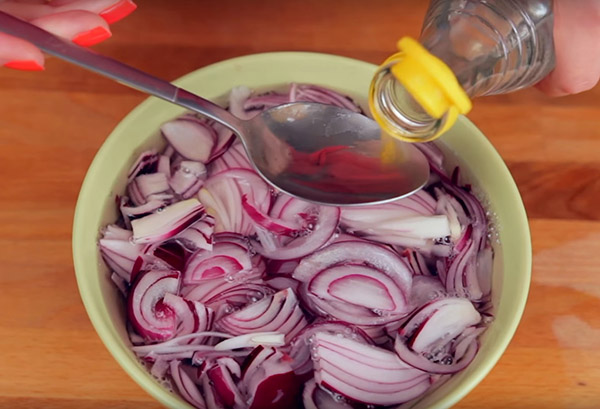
480	165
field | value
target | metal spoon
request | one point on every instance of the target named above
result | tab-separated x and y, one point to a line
320	153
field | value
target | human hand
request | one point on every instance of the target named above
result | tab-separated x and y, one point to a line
85	22
577	48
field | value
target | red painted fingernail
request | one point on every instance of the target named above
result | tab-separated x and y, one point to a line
94	36
118	11
28	65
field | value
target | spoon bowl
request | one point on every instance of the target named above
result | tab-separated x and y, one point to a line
331	155
320	153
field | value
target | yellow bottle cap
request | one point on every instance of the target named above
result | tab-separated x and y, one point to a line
430	82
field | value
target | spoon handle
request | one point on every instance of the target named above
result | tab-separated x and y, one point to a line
115	70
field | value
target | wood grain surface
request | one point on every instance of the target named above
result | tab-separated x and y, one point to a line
52	123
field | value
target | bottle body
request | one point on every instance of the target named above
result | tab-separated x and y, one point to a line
491	47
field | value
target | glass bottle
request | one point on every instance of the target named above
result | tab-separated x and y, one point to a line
467	49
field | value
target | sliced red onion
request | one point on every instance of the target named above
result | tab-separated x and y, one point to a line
254	241
234	158
199	236
193	140
150	317
315	397
120	283
186	387
357	282
222	385
229	297
237	98
225	138
269	223
130	212
222	196
301	344
419	227
417	262
164	165
365	373
146	262
187	179
146	163
279	313
265	101
283	282
192	316
419	361
321	222
444	324
119	252
148	186
167	223
228	261
268	380
282	267
275	339
485	260
314	93
425	289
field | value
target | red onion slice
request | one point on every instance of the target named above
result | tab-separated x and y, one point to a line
323	228
388	277
314	93
268	380
168	222
222	384
301	344
420	362
147	186
222	196
199	236
444	324
187	179
276	226
365	373
119	252
277	313
228	261
186	387
149	316
145	163
425	289
315	397
192	139
192	316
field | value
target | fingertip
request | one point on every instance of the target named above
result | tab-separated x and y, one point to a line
19	54
25	65
118	11
92	37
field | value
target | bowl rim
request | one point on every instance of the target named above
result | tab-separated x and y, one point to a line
105	328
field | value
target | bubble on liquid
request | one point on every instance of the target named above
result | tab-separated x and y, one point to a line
229	278
338	397
253	299
229	309
447	360
377	312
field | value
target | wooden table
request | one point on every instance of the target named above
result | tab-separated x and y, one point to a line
52	123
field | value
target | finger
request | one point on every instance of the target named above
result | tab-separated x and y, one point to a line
19	54
110	10
82	27
577	48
